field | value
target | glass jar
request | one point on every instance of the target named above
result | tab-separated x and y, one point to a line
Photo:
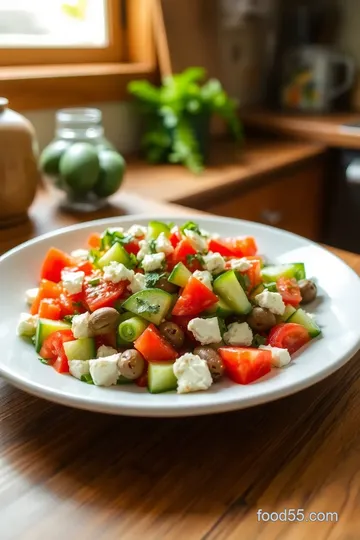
77	175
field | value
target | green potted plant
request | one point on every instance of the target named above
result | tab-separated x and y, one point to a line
177	117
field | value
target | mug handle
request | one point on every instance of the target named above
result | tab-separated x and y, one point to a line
349	75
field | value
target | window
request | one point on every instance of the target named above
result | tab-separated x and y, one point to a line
59	31
61	53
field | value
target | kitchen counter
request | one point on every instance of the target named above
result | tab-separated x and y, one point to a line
325	129
228	170
67	473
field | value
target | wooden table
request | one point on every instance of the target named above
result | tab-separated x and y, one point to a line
70	474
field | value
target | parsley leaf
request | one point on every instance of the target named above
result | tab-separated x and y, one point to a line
197	257
143	306
94	255
45	361
191	226
94	281
152	278
77	304
109	238
152	246
133	262
87	379
258	340
68	318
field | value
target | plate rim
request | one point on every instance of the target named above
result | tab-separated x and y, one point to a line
84	403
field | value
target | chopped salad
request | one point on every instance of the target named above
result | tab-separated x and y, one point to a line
169	308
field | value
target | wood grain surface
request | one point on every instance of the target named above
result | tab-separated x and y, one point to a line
229	169
325	128
70	474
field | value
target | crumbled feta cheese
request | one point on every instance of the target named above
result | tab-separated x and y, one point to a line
113	230
205	330
241	265
144	249
27	325
192	373
137	230
238	334
72	281
215	236
214	262
272	301
198	242
30	295
104	351
137	283
279	357
80	325
105	371
205	278
163	244
80	254
117	272
153	262
205	233
78	368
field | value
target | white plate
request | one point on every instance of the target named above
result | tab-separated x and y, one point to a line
337	310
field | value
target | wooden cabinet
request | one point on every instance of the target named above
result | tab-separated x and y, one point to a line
292	201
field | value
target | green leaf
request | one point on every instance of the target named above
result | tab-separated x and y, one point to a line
191	226
143	306
197	257
87	379
45	361
185	148
152	278
68	318
145	91
258	340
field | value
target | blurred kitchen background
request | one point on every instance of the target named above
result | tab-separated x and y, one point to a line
293	69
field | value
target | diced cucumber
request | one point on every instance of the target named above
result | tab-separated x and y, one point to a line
155	228
180	275
292	270
80	349
220	309
45	327
151	304
116	253
301	317
289	311
230	290
161	377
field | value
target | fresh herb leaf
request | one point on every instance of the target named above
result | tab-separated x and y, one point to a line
152	246
197	257
191	226
68	318
271	286
152	278
45	361
244	280
171	225
222	326
94	255
258	340
77	304
94	281
143	306
87	379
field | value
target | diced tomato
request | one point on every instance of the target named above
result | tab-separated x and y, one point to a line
254	273
154	347
194	299
290	336
245	365
233	247
220	246
71	304
289	290
175	236
244	247
94	240
55	261
53	349
182	253
50	309
47	289
104	294
84	266
142	381
133	246
108	339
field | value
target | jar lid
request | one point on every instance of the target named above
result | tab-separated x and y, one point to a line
3	103
79	116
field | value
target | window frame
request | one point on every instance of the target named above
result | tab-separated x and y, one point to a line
113	52
87	78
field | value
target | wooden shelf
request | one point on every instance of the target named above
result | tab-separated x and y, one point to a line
228	170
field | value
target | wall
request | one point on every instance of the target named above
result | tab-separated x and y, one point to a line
120	120
349	34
